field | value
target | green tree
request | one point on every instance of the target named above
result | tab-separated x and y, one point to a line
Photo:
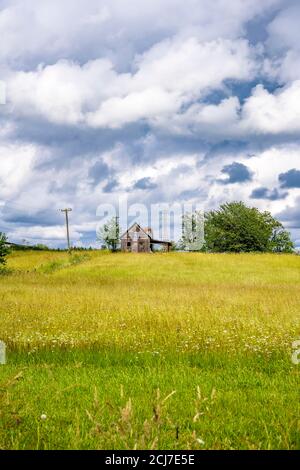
109	234
192	232
3	248
281	241
234	227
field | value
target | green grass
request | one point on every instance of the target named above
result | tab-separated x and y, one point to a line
164	351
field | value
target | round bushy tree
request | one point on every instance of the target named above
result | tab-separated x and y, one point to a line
109	234
238	228
3	248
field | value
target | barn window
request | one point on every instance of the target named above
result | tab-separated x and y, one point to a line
128	243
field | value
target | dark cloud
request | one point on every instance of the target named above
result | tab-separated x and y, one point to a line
63	187
111	186
291	215
237	173
61	144
145	184
99	171
270	194
24	217
290	179
256	30
190	194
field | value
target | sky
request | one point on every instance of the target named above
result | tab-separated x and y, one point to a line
154	101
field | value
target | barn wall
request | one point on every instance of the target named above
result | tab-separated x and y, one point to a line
140	245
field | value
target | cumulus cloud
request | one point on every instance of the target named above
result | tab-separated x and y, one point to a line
113	27
166	88
35	233
265	193
263	113
290	216
236	173
63	92
145	184
16	163
284	29
273	113
170	75
290	179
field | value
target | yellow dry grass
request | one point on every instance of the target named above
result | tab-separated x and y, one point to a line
162	302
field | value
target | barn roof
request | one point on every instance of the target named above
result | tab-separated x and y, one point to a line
135	223
148	235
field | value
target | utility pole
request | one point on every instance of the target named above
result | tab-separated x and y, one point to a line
117	233
66	211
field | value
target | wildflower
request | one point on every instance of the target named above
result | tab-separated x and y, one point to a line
200	441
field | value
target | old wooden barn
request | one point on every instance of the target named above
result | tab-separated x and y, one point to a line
140	240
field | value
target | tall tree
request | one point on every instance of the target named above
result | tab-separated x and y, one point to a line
237	228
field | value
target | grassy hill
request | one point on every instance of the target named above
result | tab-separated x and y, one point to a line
149	351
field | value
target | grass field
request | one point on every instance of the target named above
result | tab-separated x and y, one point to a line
164	351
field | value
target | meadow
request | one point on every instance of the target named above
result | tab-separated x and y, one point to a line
149	351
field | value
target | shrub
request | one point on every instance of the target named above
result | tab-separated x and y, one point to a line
4	250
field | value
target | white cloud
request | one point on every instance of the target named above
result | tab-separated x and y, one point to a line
208	120
147	104
273	113
263	113
16	163
283	43
36	232
284	29
61	92
191	66
289	68
54	29
265	167
168	76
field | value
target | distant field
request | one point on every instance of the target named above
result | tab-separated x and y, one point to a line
162	351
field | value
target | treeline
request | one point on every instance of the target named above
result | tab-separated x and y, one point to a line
42	247
6	247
